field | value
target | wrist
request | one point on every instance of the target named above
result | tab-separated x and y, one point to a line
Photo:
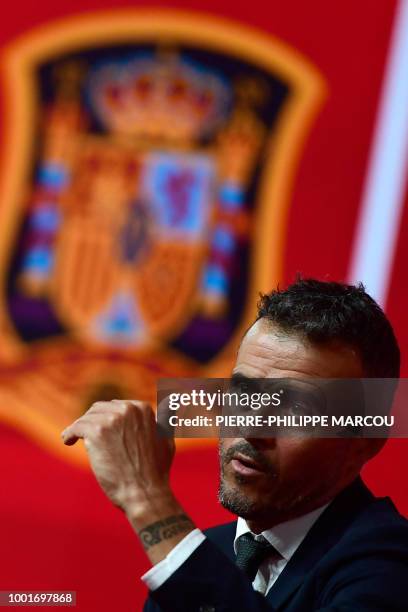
160	524
154	505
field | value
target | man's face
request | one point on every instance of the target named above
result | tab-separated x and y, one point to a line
269	480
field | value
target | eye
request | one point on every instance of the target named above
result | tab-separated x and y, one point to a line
242	387
296	404
245	386
298	408
239	384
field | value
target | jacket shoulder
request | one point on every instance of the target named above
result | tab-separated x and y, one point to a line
369	561
382	524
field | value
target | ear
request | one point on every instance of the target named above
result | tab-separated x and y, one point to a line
370	447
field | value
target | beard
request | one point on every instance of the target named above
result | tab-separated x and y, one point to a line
275	497
236	502
232	496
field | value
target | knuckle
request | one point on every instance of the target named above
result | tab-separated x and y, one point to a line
123	408
119	406
98	430
138	404
114	419
130	409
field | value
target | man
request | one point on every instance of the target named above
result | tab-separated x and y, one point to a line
310	536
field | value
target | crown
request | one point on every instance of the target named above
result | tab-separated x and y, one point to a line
159	98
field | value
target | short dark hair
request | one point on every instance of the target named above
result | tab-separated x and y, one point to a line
328	311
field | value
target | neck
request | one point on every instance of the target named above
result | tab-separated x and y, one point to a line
258	524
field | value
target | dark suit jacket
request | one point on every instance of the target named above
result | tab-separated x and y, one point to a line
353	559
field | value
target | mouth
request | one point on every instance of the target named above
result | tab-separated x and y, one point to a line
246	466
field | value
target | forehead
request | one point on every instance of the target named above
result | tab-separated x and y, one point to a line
268	352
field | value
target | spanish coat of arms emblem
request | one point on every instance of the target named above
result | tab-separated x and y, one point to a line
146	208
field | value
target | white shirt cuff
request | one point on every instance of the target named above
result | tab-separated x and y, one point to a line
159	573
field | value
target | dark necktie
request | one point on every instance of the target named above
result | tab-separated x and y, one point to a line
251	553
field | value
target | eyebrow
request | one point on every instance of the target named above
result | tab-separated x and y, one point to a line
239	376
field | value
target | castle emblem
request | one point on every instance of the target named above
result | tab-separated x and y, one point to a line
144	201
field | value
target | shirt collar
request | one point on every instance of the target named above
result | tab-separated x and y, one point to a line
285	537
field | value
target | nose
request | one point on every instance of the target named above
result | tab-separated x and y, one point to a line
261	444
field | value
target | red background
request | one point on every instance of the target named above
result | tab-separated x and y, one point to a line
57	529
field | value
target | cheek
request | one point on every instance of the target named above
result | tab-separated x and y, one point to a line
225	444
309	458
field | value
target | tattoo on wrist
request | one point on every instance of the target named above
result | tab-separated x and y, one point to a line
164	530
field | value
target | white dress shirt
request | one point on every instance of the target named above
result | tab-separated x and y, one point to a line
285	537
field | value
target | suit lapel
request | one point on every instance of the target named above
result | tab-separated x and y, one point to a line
322	536
223	537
